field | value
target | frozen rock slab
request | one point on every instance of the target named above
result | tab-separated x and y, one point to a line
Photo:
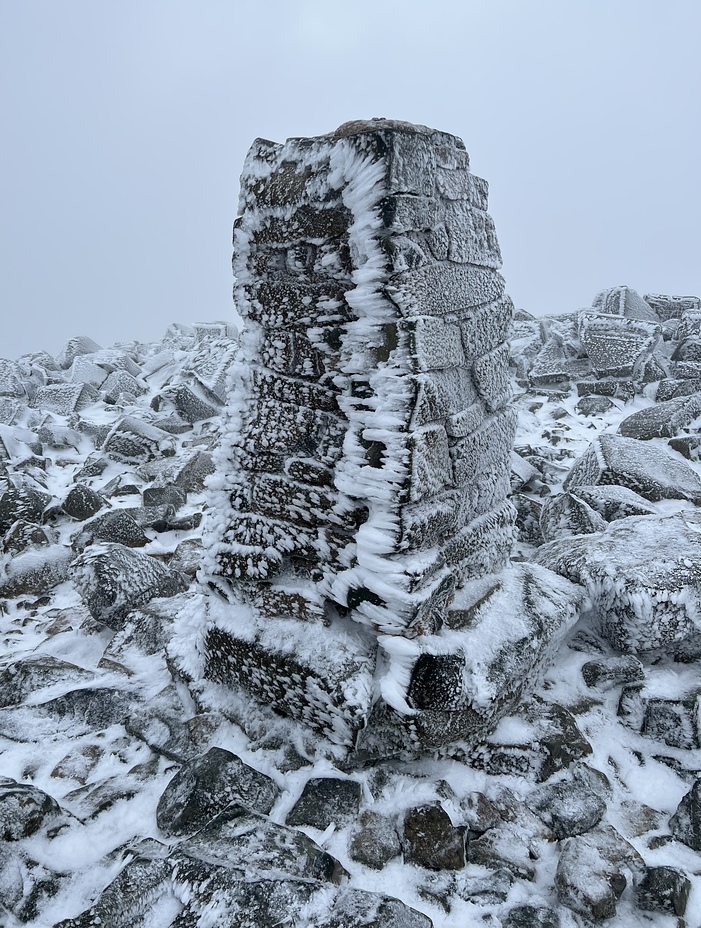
112	580
643	577
206	785
650	471
326	800
35	571
457	685
591	872
663	420
617	346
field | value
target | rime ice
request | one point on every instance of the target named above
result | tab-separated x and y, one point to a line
365	474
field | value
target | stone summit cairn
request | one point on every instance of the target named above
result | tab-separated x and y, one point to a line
360	526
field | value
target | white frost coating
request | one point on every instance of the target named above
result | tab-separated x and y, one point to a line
402	654
363	185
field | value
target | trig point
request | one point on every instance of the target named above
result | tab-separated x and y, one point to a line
362	525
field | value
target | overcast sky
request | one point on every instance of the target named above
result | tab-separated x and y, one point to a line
124	125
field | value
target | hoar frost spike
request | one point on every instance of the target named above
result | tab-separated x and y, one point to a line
361	495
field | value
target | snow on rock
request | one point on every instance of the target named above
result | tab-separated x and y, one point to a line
650	471
113	579
643	577
499	639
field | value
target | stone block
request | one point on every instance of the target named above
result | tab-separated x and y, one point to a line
431	469
672	307
491	375
435	343
442	289
484	328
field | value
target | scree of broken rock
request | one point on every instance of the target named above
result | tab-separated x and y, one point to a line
360	525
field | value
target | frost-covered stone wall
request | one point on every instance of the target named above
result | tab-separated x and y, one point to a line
365	471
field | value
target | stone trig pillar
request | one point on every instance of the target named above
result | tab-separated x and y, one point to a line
364	474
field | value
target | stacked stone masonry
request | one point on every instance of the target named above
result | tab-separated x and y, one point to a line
367	471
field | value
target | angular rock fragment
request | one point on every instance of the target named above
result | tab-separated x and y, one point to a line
671	307
22	500
593	871
205	786
117	526
82	503
134	441
324	801
649	471
617	346
663	889
35	571
353	908
65	399
676	722
567	514
624	301
75	347
685	824
614	502
551	742
642	576
376	841
113	580
30	674
663	420
162	724
24	809
531	916
610	671
568	807
249	845
429	839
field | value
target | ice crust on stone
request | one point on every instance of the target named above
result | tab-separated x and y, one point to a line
365	462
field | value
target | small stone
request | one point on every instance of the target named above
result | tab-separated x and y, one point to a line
606	672
325	801
82	503
685	824
431	840
168	495
206	785
531	916
376	841
663	889
569	807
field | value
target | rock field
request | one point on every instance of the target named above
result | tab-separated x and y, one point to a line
133	795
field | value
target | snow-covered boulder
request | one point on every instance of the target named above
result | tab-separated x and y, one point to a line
35	571
205	786
113	580
643	577
663	420
615	345
648	470
457	685
593	870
